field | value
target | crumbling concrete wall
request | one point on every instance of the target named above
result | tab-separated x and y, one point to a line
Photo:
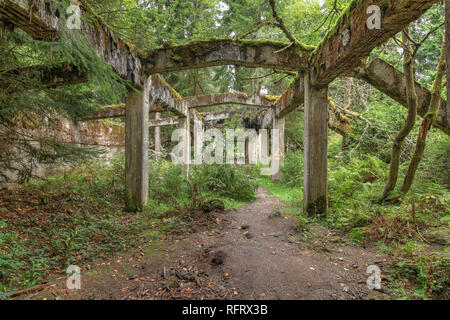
108	138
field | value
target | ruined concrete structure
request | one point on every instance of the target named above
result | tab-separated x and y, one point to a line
340	53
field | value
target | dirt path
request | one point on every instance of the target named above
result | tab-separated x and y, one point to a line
251	253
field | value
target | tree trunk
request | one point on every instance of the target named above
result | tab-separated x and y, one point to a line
426	123
408	69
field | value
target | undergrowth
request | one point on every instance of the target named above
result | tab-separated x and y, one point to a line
420	218
76	216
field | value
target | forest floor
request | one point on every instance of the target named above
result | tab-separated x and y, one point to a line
250	253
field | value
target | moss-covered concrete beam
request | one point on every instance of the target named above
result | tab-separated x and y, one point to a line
216	116
42	21
351	39
166	122
215	52
391	82
162	95
205	117
40	77
293	97
209	100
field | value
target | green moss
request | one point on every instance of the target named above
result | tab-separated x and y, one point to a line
334	30
272	98
203	47
318	207
175	94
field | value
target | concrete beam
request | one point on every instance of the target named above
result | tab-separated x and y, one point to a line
386	78
215	52
216	116
205	117
293	97
162	98
230	98
42	21
352	40
165	122
165	97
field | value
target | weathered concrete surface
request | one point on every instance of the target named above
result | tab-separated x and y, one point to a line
316	149
109	138
136	152
293	97
391	82
216	116
229	98
42	22
352	40
162	95
39	77
204	116
215	52
164	122
162	98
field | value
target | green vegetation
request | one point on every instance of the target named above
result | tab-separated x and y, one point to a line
420	268
77	216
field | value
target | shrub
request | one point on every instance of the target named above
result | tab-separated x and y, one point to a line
225	180
293	168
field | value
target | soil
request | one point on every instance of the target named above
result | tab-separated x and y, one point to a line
252	253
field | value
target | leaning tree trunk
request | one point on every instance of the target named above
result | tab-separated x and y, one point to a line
426	122
408	69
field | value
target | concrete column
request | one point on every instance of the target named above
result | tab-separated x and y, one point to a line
185	139
279	123
157	136
136	149
316	149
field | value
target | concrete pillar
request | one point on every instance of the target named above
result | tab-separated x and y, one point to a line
316	149
157	136
185	139
136	149
279	123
